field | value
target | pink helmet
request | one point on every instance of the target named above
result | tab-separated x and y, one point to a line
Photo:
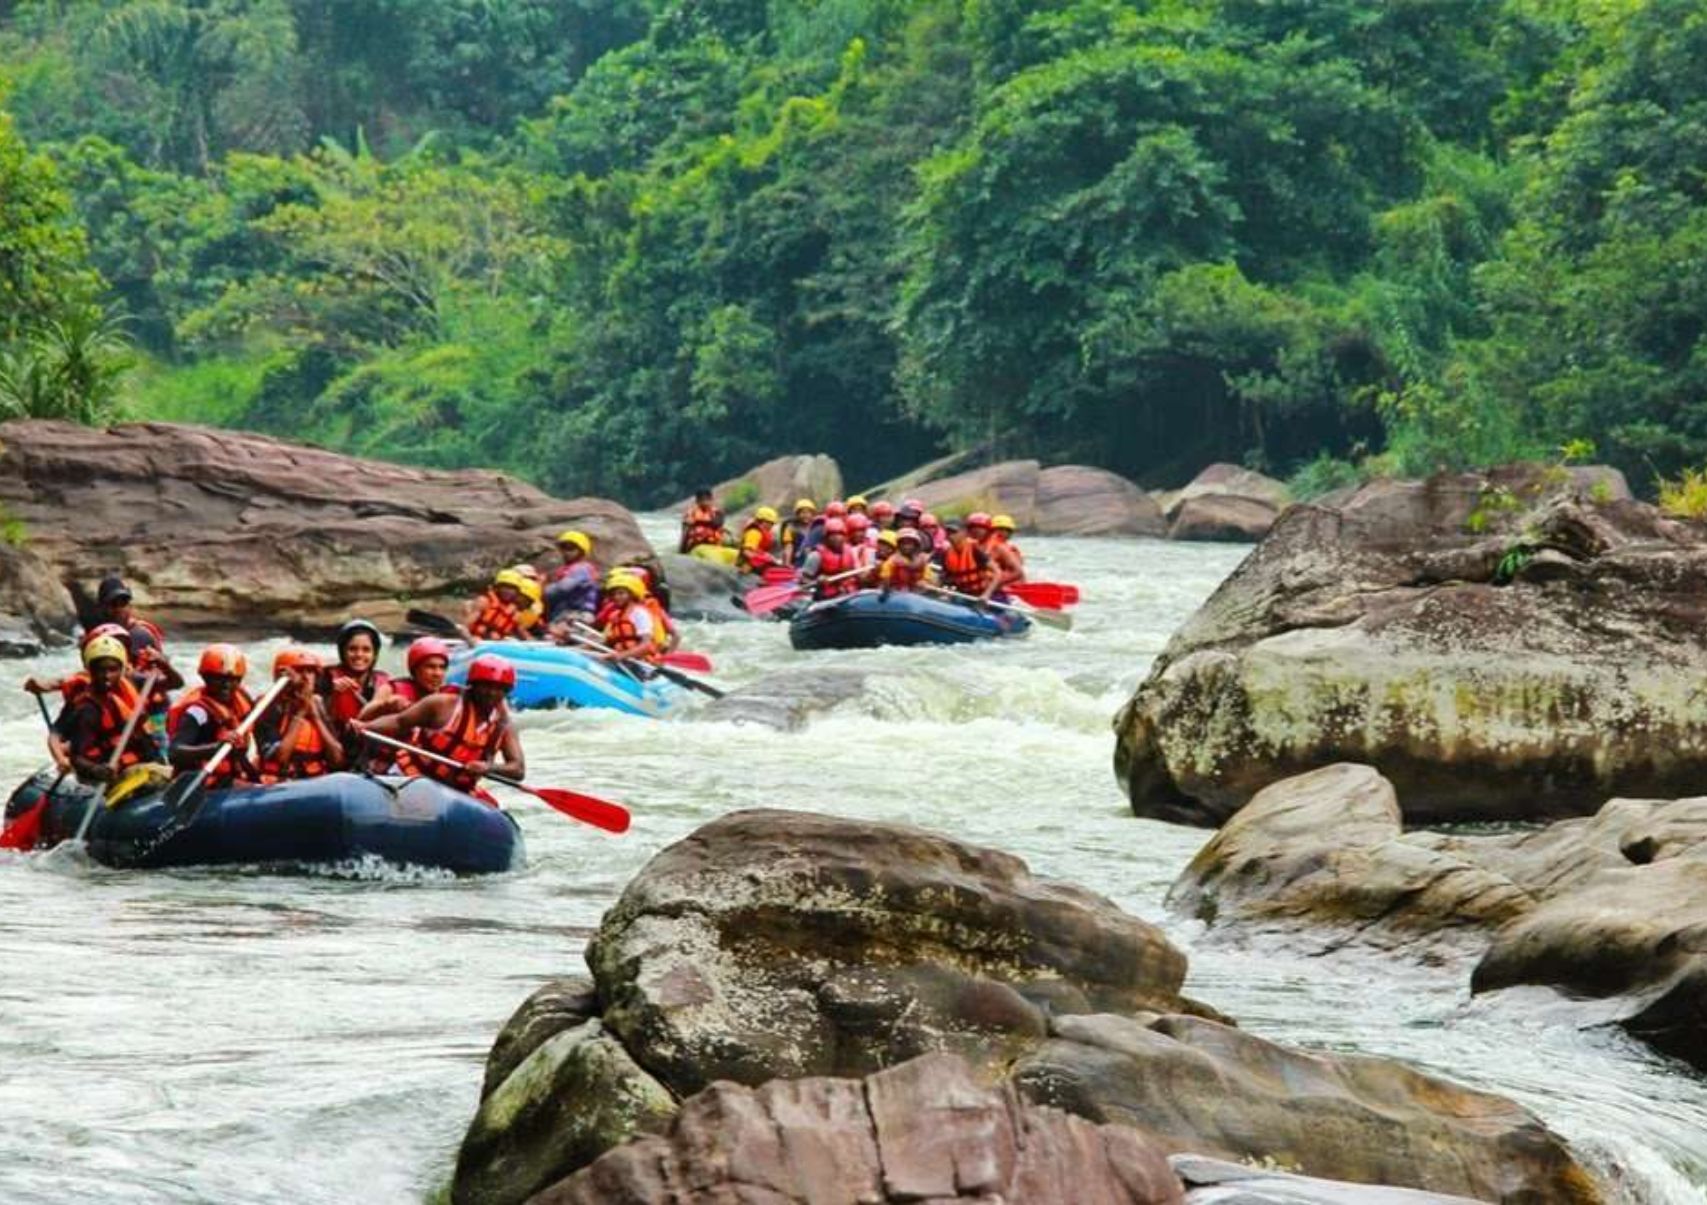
882	510
928	520
835	527
909	533
836	510
858	523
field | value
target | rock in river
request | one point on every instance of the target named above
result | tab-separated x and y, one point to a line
1510	646
797	955
224	531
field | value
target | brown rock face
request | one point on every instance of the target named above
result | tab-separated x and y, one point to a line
1066	500
1502	647
925	1131
35	607
219	530
1225	503
780	483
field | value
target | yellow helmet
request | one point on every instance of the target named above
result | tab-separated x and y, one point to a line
765	514
1003	523
888	537
805	504
509	577
858	500
108	648
580	539
626	581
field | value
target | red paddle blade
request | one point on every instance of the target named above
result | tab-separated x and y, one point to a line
774	574
697	663
1048	595
762	600
600	813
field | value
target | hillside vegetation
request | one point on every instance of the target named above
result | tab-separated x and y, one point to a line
623	246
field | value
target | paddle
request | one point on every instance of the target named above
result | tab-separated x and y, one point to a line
593	638
21	831
1053	619
442	625
600	813
699	663
1049	595
762	600
182	796
772	574
145	691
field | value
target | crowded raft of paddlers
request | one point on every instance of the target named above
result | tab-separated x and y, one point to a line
130	723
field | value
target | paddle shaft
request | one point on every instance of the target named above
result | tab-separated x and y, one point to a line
238	737
1050	618
594	638
148	684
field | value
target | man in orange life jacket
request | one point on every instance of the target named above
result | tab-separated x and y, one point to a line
703	522
1010	565
206	718
97	711
297	739
831	559
472	728
497	614
966	567
428	660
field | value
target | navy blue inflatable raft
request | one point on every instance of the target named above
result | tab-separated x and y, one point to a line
869	619
318	822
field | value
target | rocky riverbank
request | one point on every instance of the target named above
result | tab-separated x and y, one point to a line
1518	645
787	1007
222	532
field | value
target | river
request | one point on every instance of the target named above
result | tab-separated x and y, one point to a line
201	1037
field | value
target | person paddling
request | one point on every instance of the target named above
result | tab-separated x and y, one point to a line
428	660
498	613
831	560
758	542
97	715
572	591
905	570
794	528
207	716
629	627
702	523
355	681
966	567
1010	563
296	739
883	516
472	728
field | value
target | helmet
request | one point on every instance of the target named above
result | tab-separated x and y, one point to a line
765	514
909	533
116	630
632	582
857	523
355	627
913	505
225	660
489	667
579	539
509	577
858	500
978	518
805	504
929	520
890	538
836	510
1003	522
294	659
835	527
106	648
882	510
424	649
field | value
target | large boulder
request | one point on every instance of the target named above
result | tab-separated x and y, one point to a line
1073	500
1225	503
1009	487
1208	1088
925	1131
702	589
1217	1182
224	531
35	607
780	482
1509	646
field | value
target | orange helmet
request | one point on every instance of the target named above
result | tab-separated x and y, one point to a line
222	660
288	659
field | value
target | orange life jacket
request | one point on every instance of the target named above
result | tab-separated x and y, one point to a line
622	633
967	568
662	624
498	620
897	573
465	738
831	563
704	526
1005	556
226	719
307	760
116	708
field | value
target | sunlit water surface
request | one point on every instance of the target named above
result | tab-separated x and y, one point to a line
237	1038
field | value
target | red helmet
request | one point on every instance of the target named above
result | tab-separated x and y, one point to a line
426	648
116	630
978	518
929	520
882	510
858	523
909	533
835	527
292	659
222	660
836	510
489	667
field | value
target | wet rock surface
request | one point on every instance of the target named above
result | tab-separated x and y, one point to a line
221	531
1225	503
1517	645
787	701
780	483
1063	500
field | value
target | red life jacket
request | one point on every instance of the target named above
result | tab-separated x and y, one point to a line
967	568
307	760
898	573
704	526
116	707
464	738
345	705
225	719
498	620
830	563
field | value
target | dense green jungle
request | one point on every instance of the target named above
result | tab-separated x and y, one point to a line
621	246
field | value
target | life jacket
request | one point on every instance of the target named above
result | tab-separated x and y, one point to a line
662	624
967	568
307	760
412	692
622	633
898	573
792	537
159	697
704	526
1009	564
757	545
831	563
498	620
225	717
465	738
73	687
116	707
345	705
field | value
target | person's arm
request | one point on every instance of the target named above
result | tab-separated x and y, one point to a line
322	723
384	702
66	734
430	712
810	568
511	764
191	745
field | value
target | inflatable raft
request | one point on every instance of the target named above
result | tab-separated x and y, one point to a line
868	619
551	675
324	821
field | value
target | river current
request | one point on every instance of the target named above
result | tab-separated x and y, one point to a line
317	1040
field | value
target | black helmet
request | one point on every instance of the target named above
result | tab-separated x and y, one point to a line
355	627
